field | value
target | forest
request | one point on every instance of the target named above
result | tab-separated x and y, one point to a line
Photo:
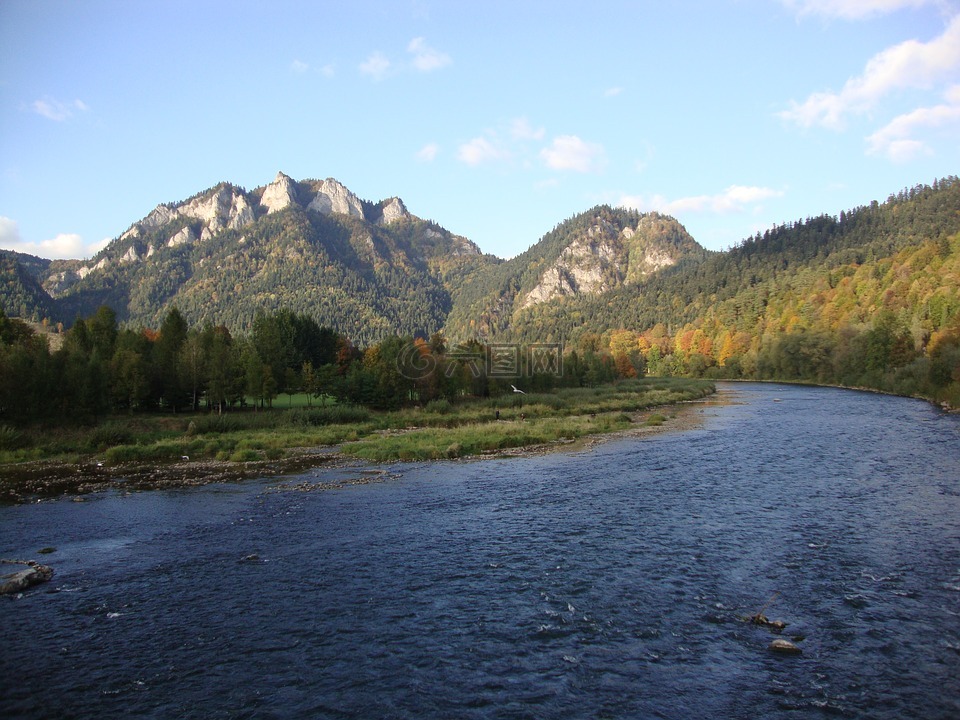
103	369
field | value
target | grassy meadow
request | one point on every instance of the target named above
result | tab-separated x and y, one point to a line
439	429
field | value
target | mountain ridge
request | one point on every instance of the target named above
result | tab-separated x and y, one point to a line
370	270
366	269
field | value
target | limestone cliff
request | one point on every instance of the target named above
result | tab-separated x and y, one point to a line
608	252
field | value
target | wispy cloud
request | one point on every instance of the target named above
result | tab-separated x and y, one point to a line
897	140
482	150
376	66
521	129
736	198
569	152
56	110
63	246
911	64
425	58
299	67
852	9
428	153
612	92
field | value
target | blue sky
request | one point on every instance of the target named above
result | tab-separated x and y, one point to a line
496	119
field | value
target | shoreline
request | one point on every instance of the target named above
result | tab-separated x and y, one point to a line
40	480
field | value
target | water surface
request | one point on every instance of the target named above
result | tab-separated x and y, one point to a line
610	582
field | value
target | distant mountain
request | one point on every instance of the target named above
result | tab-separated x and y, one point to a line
371	270
366	269
21	294
587	256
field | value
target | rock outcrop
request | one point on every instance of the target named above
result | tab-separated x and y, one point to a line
605	256
186	235
18	581
394	210
333	197
280	194
591	263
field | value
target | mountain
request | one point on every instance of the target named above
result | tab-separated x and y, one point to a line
586	256
21	294
366	269
372	270
823	273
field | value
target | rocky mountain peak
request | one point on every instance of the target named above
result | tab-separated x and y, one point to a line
393	210
333	197
279	194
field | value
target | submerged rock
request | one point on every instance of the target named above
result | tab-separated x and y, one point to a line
18	581
784	647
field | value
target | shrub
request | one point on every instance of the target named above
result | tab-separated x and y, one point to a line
110	434
247	455
10	438
334	415
439	407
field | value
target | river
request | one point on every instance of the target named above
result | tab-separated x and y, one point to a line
608	582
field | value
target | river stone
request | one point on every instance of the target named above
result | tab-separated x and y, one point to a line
784	647
20	580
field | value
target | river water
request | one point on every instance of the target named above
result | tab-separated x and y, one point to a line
610	582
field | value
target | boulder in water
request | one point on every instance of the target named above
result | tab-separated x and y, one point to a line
32	574
784	647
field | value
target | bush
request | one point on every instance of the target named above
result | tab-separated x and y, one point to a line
334	415
438	407
248	455
10	438
110	434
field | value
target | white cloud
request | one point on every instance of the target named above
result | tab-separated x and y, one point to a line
9	233
56	110
911	64
299	67
64	245
852	9
328	70
376	66
94	248
481	150
521	129
425	58
896	140
612	92
735	198
569	152
428	152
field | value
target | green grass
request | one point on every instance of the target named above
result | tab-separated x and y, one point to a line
441	442
440	429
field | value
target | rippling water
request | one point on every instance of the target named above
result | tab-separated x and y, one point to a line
605	583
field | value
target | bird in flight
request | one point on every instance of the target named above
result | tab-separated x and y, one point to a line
515	389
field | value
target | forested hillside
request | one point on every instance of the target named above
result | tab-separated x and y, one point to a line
20	292
368	270
868	298
588	255
871	297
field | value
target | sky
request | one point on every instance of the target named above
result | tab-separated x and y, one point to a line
497	119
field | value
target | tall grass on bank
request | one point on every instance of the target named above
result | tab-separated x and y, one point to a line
438	429
438	442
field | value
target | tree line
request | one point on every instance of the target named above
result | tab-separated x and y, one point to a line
102	368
